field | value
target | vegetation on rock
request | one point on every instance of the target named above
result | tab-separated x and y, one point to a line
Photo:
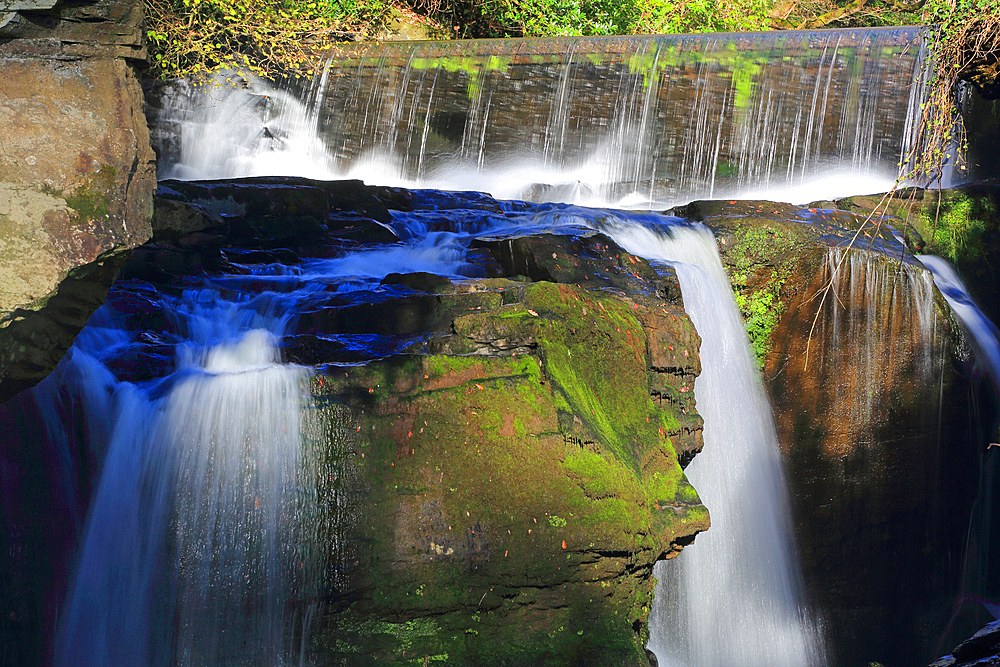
965	46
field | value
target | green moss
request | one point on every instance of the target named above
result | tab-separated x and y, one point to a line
90	200
473	66
593	349
760	261
955	231
489	487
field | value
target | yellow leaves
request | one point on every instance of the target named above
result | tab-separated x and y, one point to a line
267	37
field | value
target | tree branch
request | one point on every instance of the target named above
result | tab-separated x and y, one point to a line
824	20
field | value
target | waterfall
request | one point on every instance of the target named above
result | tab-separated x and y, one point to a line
979	584
198	541
630	122
217	520
732	598
985	335
206	541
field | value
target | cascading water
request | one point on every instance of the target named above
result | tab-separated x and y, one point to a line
630	122
984	333
207	541
733	597
194	549
207	495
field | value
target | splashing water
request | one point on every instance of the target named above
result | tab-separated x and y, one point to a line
636	122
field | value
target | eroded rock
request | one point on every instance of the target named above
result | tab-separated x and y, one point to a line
76	174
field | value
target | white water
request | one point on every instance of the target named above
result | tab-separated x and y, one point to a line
244	127
985	335
193	551
732	598
206	541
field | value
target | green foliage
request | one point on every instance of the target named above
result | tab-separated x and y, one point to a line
761	312
196	37
538	18
965	45
955	228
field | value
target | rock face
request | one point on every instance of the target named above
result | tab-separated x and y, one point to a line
862	361
505	468
961	224
76	173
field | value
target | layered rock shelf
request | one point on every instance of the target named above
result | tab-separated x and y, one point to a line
76	173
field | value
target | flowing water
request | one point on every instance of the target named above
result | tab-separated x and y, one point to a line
733	598
198	533
634	122
985	335
209	492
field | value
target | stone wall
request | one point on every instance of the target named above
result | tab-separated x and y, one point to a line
76	172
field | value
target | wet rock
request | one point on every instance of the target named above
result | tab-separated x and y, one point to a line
585	258
419	281
983	644
960	224
280	210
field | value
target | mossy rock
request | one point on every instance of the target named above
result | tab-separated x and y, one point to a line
511	505
762	245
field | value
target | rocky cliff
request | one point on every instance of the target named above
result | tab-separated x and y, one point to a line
76	171
870	380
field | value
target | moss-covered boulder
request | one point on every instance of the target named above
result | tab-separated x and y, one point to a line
513	494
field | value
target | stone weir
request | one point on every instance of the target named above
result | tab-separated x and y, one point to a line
655	118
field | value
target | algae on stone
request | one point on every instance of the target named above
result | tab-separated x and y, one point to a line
520	497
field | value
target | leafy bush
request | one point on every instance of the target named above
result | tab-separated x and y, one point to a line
192	37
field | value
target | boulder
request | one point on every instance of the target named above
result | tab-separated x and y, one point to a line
76	173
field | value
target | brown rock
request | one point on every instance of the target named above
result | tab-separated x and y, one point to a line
76	174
